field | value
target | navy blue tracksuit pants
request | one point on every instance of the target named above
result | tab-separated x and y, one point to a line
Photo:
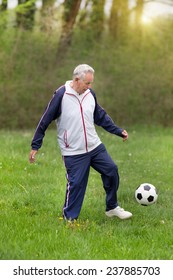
78	168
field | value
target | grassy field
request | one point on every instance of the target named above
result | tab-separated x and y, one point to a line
32	196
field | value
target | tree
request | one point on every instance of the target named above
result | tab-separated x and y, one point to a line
3	6
138	15
25	12
97	17
71	9
47	14
119	19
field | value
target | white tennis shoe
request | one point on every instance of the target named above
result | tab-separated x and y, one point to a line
119	212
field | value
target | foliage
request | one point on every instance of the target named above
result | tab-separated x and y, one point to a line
32	197
25	14
3	5
3	20
133	77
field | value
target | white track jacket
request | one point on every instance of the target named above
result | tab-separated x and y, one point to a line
75	116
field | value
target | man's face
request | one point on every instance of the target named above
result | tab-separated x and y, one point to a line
83	85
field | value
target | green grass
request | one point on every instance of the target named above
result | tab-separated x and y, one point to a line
32	196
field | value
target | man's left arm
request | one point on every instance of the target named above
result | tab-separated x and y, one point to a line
101	118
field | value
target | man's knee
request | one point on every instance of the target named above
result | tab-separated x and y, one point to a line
113	170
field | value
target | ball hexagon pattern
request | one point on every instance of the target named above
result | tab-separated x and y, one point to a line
146	194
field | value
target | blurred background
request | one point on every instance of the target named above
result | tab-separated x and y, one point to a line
129	43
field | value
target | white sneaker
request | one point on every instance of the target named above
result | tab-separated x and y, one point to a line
119	212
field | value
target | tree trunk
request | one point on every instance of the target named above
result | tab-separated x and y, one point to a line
25	12
71	9
47	15
3	6
97	17
139	12
119	19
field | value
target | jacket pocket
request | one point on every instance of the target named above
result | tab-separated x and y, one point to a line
66	139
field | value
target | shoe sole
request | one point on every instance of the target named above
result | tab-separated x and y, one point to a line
122	218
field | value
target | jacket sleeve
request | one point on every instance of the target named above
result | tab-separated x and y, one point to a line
52	112
101	118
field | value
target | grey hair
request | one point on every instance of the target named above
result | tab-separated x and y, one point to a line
81	70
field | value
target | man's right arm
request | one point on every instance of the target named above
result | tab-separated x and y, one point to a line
52	112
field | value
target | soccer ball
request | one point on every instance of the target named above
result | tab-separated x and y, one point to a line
146	194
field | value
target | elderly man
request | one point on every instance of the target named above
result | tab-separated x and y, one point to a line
75	109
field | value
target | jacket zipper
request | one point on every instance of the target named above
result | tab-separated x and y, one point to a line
83	120
84	128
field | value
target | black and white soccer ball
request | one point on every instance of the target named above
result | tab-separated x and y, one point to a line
146	194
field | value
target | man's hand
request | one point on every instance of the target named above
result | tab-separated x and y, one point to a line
32	156
125	135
